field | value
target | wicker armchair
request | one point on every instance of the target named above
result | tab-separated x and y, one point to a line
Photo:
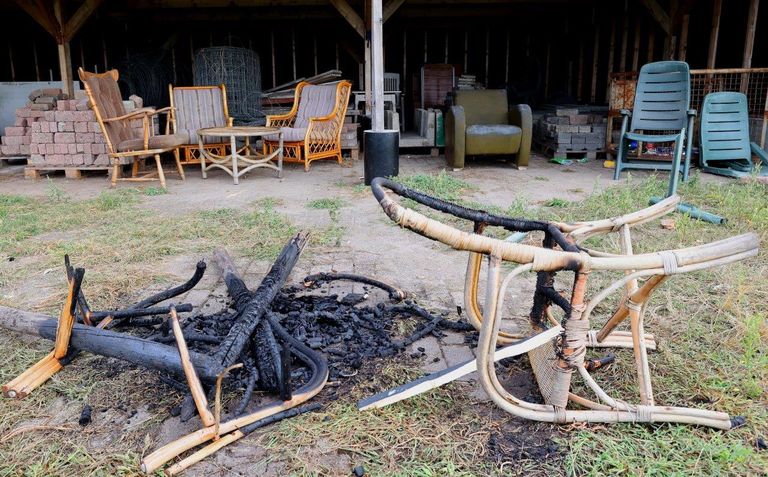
198	107
312	128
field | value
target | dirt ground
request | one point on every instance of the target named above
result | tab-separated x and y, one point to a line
368	245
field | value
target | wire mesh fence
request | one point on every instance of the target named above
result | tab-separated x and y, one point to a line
240	70
753	82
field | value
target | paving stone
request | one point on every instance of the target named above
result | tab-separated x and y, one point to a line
452	338
433	357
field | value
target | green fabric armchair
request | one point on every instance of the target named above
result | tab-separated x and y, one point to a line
480	123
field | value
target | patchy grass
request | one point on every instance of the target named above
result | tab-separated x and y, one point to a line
332	234
152	191
443	185
443	432
121	243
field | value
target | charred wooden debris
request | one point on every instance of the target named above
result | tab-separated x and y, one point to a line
284	340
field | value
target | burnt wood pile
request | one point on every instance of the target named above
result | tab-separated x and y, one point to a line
289	339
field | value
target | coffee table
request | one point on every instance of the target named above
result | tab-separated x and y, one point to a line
245	155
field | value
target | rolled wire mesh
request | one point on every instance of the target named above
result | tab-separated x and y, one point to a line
239	70
752	82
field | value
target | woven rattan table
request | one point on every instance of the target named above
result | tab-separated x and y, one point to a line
245	154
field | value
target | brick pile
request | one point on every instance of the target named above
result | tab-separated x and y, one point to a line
571	129
68	136
16	139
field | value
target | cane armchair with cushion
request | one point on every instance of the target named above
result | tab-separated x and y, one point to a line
198	107
725	146
481	123
660	114
123	141
312	128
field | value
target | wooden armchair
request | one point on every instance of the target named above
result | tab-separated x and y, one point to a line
193	108
312	129
122	140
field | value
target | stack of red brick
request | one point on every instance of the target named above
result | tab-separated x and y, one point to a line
17	139
68	136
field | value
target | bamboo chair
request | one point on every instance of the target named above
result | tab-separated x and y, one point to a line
725	146
198	107
662	101
557	349
121	139
312	128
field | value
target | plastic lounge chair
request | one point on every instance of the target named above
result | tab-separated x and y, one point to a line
122	140
660	114
557	348
725	146
198	107
312	128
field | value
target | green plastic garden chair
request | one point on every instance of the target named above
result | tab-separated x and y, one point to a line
661	114
725	146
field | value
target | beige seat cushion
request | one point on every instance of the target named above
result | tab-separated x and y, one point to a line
493	139
168	141
289	135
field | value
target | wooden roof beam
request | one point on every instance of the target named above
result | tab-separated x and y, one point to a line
349	14
77	20
658	13
390	8
42	15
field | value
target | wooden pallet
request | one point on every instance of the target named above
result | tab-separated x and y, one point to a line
70	172
6	160
570	152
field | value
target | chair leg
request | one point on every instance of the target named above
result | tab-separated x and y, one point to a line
176	156
619	159
135	167
641	354
160	172
115	171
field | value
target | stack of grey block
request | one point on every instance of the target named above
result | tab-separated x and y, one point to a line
565	129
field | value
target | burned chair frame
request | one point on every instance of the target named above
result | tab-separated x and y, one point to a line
557	349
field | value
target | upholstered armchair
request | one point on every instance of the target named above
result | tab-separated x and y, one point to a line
312	129
480	123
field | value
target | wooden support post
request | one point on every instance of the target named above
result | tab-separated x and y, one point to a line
314	51
104	52
506	63
611	50
336	51
580	78
377	57
293	52
624	35
714	33
426	44
651	43
595	57
683	49
274	65
37	63
10	60
65	68
546	71
636	47
487	55
466	49
749	43
445	58
405	65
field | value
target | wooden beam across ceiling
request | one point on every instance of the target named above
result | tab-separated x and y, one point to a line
659	14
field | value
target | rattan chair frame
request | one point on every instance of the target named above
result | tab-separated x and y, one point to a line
555	361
